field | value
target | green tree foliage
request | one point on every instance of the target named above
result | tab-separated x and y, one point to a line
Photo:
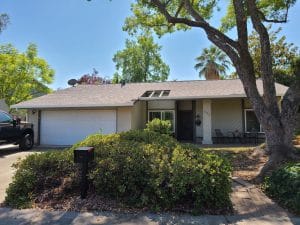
283	54
140	61
147	14
23	75
4	20
212	61
274	11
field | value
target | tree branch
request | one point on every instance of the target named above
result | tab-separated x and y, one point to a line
241	22
266	59
198	22
179	8
263	17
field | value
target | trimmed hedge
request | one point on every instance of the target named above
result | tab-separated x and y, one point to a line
145	168
36	173
284	186
159	126
140	168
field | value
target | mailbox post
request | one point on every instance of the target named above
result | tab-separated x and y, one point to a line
83	155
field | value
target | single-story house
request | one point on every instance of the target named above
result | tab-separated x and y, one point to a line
3	105
195	108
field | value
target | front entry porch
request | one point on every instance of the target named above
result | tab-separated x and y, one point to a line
209	121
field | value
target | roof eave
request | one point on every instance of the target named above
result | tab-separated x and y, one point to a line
70	107
191	97
197	97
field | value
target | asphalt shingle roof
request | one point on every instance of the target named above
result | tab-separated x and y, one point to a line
108	95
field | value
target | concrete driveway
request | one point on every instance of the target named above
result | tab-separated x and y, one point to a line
9	154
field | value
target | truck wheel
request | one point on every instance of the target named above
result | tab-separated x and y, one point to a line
26	142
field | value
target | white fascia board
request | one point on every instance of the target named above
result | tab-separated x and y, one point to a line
70	107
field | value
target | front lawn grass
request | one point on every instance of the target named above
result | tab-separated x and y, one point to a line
229	149
244	160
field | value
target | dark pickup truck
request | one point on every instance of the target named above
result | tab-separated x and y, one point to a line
13	131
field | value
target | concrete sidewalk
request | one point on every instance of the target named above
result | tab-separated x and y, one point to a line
41	217
251	206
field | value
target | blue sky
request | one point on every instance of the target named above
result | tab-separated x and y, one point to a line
75	36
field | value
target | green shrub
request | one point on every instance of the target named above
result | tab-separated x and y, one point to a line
36	173
200	176
141	168
284	185
159	126
148	169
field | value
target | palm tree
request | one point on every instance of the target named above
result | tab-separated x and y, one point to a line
212	63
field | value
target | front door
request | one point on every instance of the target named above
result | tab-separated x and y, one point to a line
185	125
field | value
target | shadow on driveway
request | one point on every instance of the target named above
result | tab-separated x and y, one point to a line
6	150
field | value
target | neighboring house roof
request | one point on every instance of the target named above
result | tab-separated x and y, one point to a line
111	95
3	105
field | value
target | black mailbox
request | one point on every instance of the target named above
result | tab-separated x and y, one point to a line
83	154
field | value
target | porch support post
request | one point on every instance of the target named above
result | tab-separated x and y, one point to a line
207	122
194	117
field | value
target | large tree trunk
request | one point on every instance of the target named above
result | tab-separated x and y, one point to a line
278	125
279	143
279	147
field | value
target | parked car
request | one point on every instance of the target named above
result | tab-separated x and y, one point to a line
14	131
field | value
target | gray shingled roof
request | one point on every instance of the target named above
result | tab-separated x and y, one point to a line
109	95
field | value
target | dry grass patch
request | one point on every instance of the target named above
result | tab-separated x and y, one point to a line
246	160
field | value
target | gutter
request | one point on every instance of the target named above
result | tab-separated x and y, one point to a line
17	106
196	97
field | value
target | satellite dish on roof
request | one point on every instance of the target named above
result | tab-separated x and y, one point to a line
72	82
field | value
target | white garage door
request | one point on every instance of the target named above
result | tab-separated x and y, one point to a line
66	127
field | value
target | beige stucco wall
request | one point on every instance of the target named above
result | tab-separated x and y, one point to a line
138	115
161	104
124	117
185	105
33	117
227	115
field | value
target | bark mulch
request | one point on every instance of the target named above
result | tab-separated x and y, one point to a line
247	165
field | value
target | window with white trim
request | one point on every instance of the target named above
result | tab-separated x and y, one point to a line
163	115
251	122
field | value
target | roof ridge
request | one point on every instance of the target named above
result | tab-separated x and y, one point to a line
156	82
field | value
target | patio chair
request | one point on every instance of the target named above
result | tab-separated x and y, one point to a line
220	138
235	136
